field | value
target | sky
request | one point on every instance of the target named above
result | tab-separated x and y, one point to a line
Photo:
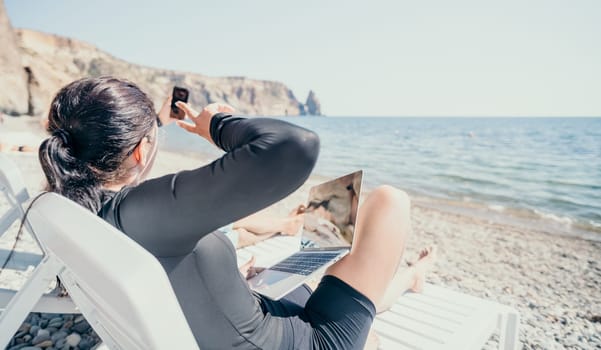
362	58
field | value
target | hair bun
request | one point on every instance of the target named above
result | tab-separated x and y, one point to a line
63	135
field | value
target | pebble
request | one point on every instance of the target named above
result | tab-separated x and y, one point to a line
24	327
73	339
34	330
40	338
80	327
85	345
51	329
44	344
68	324
56	322
20	334
43	332
61	342
35	319
58	336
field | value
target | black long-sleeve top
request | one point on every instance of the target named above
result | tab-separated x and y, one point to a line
174	217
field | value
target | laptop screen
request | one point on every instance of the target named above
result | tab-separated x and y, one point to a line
331	213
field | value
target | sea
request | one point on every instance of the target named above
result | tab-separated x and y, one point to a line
539	173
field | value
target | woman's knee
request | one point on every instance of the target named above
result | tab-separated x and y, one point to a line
386	194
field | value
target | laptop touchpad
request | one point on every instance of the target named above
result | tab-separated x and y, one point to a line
268	278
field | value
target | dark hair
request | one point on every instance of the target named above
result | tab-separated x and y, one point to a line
95	124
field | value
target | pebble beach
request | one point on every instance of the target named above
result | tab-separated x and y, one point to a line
554	281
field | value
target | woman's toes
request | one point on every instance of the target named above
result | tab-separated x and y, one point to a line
418	285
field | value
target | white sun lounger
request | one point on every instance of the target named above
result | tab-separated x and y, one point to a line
437	319
119	287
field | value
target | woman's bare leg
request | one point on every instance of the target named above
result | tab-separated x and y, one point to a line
263	223
382	230
408	278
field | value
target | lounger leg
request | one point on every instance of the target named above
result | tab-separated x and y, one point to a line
509	324
24	301
8	219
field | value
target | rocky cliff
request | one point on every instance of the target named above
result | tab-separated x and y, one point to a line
35	65
13	80
312	106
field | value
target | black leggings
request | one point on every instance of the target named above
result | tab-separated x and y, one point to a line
335	316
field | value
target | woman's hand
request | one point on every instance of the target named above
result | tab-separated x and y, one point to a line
165	111
201	121
248	269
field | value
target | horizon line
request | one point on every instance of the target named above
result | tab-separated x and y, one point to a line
447	116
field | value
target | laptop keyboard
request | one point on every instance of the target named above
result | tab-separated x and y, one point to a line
304	263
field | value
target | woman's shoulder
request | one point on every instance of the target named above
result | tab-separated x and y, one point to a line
109	205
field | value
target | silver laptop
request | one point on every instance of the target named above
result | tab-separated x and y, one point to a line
327	235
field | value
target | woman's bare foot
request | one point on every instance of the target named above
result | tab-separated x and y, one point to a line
424	264
292	225
408	278
300	209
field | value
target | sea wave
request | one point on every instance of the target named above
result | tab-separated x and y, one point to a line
564	220
496	207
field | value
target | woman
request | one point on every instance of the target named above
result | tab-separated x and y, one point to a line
103	143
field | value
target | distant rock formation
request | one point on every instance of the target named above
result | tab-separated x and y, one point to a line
13	80
36	65
312	106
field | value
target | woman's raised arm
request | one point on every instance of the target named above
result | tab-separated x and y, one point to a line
265	160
